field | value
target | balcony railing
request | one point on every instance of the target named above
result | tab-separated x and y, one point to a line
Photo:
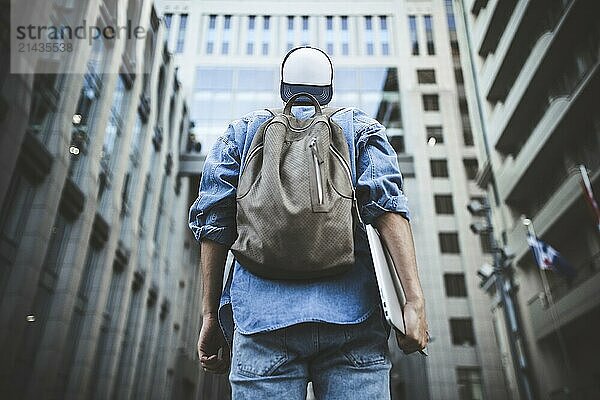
572	300
585	271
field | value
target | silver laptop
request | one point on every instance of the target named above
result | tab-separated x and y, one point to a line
392	294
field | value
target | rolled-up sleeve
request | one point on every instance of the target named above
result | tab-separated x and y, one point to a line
379	180
212	215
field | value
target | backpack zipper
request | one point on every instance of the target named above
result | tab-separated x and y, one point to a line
317	162
349	175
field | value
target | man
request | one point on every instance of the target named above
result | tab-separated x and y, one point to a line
331	330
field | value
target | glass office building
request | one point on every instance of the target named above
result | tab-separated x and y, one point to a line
225	93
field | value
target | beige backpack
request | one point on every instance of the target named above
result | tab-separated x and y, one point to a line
295	198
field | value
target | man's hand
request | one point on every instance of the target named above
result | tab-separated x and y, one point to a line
210	341
416	328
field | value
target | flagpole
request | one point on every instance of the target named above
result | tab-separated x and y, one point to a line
587	187
553	314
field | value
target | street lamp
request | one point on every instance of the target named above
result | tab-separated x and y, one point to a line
476	208
485	272
500	275
479	228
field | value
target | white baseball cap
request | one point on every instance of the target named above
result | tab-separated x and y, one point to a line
307	69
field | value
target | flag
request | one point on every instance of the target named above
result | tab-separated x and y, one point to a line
586	185
548	258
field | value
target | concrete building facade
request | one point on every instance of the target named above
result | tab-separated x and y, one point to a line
99	286
399	62
533	83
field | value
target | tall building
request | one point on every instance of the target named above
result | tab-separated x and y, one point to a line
533	83
398	61
99	285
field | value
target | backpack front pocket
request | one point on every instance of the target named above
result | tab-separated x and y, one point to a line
317	176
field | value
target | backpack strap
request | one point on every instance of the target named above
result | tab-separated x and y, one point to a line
274	111
331	111
328	111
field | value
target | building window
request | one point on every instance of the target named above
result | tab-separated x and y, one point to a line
329	22
385	48
113	308
463	106
137	137
383	23
449	242
455	285
454	47
458	76
370	49
434	134
212	22
266	38
43	104
168	19
431	102
471	168
330	48
484	240
345	49
160	213
443	204
249	48
426	75
15	209
468	136
397	143
90	273
251	22
368	23
113	133
345	36
469	383
389	113
429	35
305	22
227	23
132	327
450	15
53	263
210	47
305	32
439	168
125	191
414	38
57	247
87	104
144	205
181	36
225	48
290	32
461	330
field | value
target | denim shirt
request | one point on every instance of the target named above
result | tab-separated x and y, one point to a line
253	304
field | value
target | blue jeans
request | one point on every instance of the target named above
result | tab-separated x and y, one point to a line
342	361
